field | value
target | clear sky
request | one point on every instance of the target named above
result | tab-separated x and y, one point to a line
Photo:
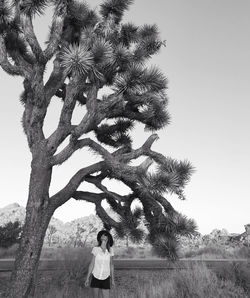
207	63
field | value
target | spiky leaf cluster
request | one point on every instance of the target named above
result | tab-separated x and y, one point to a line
115	8
139	80
166	230
6	15
148	44
33	7
170	177
115	135
76	60
128	34
129	225
79	14
165	246
78	18
183	169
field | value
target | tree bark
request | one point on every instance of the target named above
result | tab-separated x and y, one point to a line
38	215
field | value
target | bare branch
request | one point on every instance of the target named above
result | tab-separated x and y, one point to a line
64	125
75	145
93	116
66	193
96	199
145	164
56	30
30	36
97	182
55	80
4	62
104	216
91	197
143	150
166	205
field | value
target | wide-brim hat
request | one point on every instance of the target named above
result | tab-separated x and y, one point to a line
106	233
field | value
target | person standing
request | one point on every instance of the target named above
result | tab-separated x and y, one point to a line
100	275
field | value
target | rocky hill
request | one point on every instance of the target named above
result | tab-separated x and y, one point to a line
83	230
74	233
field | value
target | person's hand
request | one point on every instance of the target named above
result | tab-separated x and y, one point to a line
113	282
87	282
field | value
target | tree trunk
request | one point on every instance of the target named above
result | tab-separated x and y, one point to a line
38	215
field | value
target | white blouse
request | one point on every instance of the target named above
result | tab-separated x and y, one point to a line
102	262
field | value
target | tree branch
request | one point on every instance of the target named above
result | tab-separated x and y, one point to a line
64	126
93	116
66	193
55	80
31	37
4	62
56	30
96	199
119	170
91	197
105	217
97	182
75	145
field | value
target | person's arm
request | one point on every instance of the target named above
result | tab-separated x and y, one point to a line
91	267
112	271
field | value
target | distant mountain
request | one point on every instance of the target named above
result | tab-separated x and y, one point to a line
82	229
74	233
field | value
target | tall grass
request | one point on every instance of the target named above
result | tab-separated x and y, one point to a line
227	280
197	281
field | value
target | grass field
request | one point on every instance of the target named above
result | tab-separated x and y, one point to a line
226	280
197	282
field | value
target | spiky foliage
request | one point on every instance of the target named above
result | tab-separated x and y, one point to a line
76	60
6	15
115	8
129	224
81	15
115	135
33	7
138	80
128	34
102	51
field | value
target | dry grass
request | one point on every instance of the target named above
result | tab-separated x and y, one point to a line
227	280
196	282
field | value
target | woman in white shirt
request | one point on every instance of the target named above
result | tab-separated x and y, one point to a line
101	269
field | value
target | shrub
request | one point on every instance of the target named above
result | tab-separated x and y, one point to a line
237	272
10	234
243	252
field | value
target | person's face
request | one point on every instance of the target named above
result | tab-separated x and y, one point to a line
104	238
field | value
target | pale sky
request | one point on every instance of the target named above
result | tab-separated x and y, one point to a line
207	63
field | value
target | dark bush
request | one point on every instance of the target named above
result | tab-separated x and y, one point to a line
10	234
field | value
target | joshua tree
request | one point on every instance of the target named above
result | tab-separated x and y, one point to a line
90	51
